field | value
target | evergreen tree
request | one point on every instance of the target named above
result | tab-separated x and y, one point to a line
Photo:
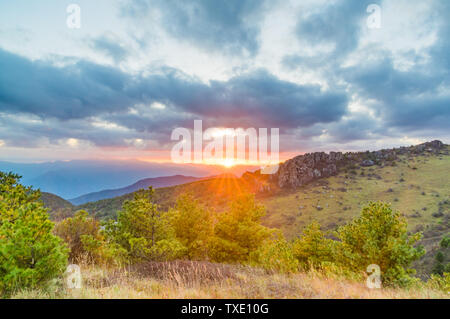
440	267
379	236
30	255
238	232
193	226
312	248
143	230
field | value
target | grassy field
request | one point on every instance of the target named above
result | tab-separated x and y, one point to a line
418	187
185	279
414	186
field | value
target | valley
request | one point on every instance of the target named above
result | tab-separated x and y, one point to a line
417	185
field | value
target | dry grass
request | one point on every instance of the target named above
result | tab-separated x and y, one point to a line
184	279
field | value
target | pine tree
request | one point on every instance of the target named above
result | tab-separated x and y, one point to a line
30	255
312	249
143	230
193	226
379	236
238	232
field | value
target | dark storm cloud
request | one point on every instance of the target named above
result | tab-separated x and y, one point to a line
413	99
357	127
441	49
227	26
87	91
25	131
75	91
382	81
264	100
338	25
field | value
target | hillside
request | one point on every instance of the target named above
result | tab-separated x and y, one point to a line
418	187
214	192
156	182
58	207
415	181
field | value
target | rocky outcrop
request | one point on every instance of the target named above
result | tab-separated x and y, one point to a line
367	163
430	147
304	169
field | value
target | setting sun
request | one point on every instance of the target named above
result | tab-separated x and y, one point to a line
228	162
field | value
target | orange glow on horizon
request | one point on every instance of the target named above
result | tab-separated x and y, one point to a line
225	162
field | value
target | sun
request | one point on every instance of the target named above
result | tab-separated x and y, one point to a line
228	162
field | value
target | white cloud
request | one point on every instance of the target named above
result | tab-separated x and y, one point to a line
158	106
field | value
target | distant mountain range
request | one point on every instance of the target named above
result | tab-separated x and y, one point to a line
156	182
72	179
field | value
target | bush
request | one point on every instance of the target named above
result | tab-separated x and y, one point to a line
439	267
440	282
82	235
30	255
276	255
238	232
379	236
440	257
445	242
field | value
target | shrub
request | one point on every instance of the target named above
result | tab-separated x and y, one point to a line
30	255
276	255
82	235
445	242
440	257
438	269
238	231
379	236
440	282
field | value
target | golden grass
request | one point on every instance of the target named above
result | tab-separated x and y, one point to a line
191	280
342	197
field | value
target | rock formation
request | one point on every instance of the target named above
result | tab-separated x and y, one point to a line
304	169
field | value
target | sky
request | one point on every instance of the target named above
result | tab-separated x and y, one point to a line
116	87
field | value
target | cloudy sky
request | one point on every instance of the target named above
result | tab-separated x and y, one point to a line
136	69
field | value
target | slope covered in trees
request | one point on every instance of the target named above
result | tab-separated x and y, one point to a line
145	235
417	185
